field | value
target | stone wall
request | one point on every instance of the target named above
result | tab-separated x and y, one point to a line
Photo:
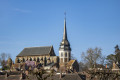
39	59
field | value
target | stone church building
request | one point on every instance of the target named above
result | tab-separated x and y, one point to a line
46	55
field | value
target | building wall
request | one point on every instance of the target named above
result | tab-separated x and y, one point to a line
64	56
45	60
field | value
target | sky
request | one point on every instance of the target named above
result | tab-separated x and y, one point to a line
90	24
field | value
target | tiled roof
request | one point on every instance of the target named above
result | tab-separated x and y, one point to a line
66	77
53	77
35	51
70	62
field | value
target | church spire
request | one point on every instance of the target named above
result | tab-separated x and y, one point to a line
65	30
64	49
65	43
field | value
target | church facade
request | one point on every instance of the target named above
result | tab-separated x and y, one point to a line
46	55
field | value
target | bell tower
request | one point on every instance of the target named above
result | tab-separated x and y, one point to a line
64	49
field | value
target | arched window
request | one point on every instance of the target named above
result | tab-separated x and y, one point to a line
18	60
61	54
34	59
38	60
23	60
65	54
30	59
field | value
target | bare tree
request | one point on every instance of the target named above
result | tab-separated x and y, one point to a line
3	59
82	66
93	57
9	62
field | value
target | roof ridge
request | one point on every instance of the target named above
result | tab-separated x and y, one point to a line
38	47
35	51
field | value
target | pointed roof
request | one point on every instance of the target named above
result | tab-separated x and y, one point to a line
71	62
65	43
65	31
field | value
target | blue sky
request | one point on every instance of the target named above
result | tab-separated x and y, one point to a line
90	24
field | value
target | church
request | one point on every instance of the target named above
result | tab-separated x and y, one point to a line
47	58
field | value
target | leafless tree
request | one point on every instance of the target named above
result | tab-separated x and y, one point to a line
3	59
82	66
93	57
9	62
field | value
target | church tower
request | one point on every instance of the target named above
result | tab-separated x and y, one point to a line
64	49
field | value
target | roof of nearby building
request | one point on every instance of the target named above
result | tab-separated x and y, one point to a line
66	77
70	62
53	77
30	51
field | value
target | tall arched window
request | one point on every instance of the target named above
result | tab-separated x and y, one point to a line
23	60
30	59
38	60
65	54
18	60
61	54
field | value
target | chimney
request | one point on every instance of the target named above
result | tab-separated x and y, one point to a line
106	66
